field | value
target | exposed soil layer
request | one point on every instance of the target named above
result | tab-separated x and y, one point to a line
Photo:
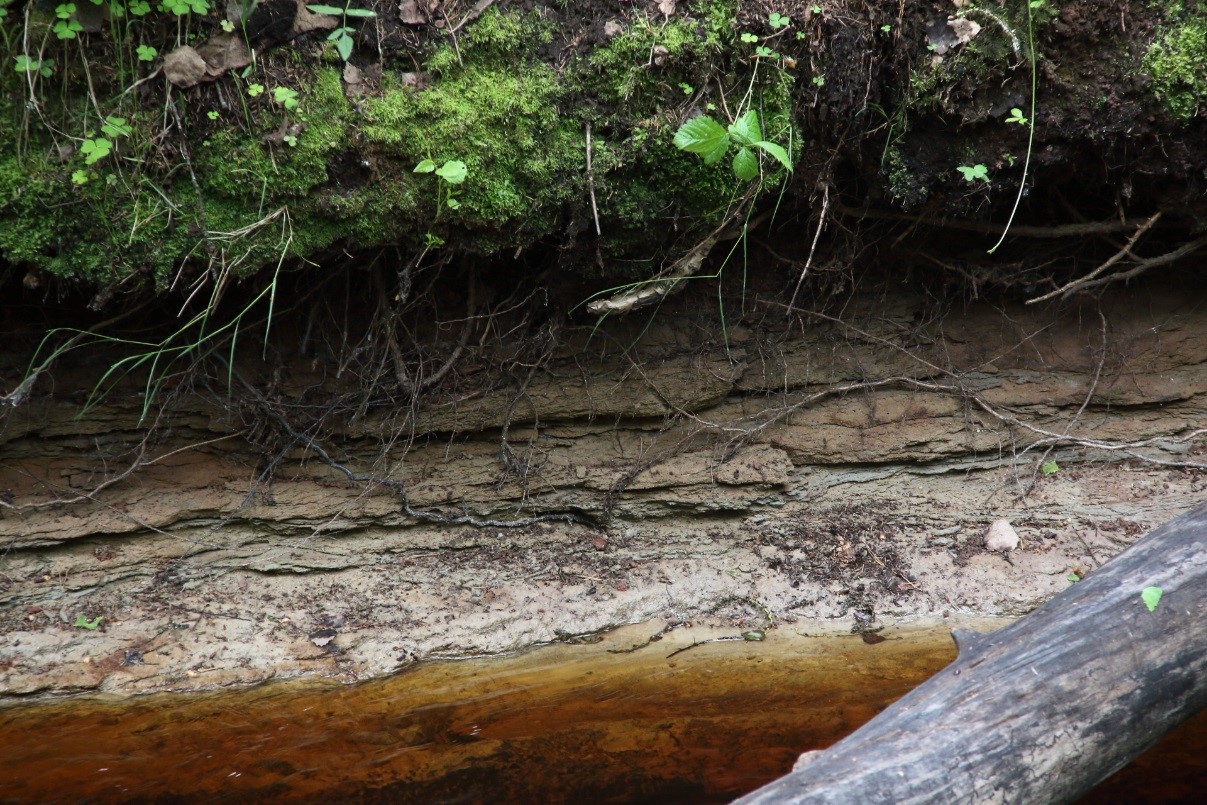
835	474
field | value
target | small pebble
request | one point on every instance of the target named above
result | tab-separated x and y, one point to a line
1001	536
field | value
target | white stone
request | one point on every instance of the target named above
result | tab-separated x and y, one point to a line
1001	536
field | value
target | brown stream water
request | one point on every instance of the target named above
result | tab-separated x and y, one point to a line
566	723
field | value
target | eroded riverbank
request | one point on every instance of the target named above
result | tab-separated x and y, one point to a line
820	471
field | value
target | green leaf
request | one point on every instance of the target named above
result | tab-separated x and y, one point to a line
1073	577
90	625
777	152
749	37
95	150
972	173
330	11
1017	116
343	46
359	12
140	8
286	97
254	89
453	204
147	53
745	164
704	136
453	171
1049	467
79	176
426	166
1151	596
777	20
116	127
746	129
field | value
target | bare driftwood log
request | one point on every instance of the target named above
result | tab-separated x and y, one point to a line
1046	708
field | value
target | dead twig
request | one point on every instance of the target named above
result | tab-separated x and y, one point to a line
1065	290
591	182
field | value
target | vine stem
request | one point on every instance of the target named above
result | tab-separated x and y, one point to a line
1022	186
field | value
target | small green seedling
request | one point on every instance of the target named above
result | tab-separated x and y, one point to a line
212	114
1073	577
777	20
816	9
819	80
1017	116
227	26
452	173
90	625
79	176
116	127
342	35
687	88
182	7
140	8
1049	467
286	97
254	89
764	52
24	64
749	37
972	173
66	27
888	29
147	53
704	136
95	150
1151	596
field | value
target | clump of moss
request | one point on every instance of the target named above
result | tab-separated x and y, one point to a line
1177	62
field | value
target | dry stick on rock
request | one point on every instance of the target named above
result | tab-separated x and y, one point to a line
821	222
1067	289
1046	708
1145	263
660	286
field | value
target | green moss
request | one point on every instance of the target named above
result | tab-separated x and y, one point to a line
346	172
1177	62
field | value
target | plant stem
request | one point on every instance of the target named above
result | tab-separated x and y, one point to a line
1022	185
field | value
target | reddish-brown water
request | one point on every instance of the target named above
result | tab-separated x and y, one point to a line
569	723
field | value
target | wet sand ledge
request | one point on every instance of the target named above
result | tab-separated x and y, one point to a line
829	477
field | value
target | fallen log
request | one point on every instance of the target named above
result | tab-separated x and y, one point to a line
1045	708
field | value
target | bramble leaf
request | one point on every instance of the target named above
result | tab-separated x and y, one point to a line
745	164
746	128
704	136
777	152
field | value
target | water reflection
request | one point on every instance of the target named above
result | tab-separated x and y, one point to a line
568	723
